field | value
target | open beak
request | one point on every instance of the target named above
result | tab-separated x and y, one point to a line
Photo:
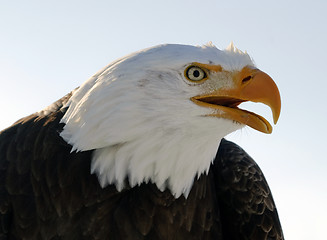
248	85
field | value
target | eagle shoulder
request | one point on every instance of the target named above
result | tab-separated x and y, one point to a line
246	204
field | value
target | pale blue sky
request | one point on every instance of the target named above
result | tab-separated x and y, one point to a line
47	48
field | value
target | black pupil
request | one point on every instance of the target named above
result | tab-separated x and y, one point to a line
196	73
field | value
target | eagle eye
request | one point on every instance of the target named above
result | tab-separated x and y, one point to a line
195	74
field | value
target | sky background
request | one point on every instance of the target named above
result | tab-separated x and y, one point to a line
47	48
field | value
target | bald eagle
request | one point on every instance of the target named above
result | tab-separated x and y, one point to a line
138	152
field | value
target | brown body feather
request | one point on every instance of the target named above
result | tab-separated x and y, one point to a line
47	192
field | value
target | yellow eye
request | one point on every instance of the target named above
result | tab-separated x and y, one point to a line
195	74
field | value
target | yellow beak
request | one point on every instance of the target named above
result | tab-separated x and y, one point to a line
248	85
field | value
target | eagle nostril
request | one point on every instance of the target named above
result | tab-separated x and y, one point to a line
246	79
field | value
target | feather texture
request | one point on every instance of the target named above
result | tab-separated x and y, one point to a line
47	192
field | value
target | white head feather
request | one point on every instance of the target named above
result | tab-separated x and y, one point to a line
137	115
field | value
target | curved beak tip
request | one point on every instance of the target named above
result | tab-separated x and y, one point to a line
264	84
276	108
276	117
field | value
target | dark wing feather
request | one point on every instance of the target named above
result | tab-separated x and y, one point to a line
247	207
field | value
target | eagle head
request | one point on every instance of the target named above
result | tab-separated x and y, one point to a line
159	114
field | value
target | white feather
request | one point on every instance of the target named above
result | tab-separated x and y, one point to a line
137	115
